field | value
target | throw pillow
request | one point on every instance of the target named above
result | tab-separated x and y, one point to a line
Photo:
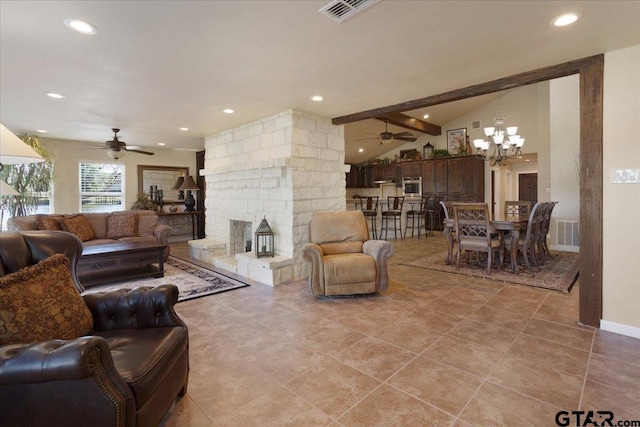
147	225
78	225
122	226
49	222
40	302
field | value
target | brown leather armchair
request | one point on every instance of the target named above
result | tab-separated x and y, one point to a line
343	261
126	372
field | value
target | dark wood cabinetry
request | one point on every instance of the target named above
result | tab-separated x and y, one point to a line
383	172
450	178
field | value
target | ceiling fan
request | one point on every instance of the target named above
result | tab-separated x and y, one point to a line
386	136
117	149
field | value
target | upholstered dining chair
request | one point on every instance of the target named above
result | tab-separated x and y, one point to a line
541	241
474	233
342	259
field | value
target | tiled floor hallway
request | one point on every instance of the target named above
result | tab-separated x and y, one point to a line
435	349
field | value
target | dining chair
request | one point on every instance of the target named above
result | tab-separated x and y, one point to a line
475	234
517	207
369	207
448	232
527	242
393	213
541	241
419	214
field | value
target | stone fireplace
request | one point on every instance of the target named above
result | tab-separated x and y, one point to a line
282	168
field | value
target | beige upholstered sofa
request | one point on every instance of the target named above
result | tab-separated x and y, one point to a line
343	261
100	228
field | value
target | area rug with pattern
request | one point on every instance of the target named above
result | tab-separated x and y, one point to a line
192	281
557	274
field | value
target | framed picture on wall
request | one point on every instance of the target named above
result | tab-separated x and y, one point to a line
456	138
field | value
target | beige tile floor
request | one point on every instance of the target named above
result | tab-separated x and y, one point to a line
435	349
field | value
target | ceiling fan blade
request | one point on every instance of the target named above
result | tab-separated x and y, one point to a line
404	138
402	134
366	139
148	153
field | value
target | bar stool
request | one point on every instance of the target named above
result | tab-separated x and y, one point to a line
393	213
419	213
369	207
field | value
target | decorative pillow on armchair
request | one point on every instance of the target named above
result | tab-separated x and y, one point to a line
122	226
78	225
40	302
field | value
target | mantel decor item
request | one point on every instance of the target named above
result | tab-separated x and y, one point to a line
264	240
427	150
456	138
502	144
189	185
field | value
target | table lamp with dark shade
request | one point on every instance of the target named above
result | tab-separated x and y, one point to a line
188	185
177	186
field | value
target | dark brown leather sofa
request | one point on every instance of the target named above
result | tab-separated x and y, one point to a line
127	372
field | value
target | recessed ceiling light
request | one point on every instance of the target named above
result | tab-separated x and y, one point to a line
360	150
41	131
184	129
54	95
566	19
228	111
162	144
426	116
80	26
317	98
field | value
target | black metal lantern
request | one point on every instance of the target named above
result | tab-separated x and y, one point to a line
264	240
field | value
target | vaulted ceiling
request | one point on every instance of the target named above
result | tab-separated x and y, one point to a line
157	66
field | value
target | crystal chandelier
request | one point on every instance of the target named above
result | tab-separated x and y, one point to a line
502	144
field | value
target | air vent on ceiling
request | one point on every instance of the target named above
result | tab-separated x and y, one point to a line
341	10
475	124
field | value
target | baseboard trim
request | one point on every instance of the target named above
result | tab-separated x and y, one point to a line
618	328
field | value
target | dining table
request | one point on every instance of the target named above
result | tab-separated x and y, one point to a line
511	224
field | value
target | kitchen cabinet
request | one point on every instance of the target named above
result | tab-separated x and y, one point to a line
440	177
385	172
450	178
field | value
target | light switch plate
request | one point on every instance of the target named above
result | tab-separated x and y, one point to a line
625	176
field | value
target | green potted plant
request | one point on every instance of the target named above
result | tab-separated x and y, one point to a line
143	202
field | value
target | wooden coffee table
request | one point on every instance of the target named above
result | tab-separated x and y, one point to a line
120	261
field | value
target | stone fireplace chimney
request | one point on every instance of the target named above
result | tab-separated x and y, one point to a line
282	168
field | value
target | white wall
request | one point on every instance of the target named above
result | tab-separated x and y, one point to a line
621	202
67	156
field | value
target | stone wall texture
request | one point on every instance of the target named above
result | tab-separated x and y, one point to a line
282	168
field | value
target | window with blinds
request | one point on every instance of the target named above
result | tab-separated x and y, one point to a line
101	187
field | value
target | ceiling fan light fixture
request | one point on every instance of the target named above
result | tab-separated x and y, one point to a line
115	155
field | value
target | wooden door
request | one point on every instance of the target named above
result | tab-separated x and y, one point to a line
528	187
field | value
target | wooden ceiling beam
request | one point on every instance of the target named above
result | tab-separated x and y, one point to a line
411	123
517	80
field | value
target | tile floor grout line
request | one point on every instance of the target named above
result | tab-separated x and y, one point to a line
586	371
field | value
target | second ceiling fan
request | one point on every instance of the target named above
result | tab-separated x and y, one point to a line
386	136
